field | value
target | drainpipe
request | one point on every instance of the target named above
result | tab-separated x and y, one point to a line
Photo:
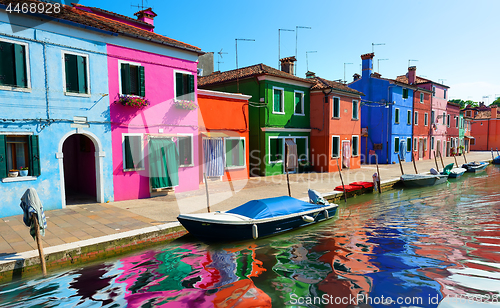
327	149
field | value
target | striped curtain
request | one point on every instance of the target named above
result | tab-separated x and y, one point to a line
213	150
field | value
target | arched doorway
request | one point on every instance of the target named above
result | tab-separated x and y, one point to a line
79	169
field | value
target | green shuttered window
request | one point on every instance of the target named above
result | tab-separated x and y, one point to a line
278	101
132	152
405	93
336	107
276	149
132	79
355	110
13	70
408	144
396	116
184	86
18	151
396	145
235	152
301	148
185	146
299	103
355	145
335	146
75	68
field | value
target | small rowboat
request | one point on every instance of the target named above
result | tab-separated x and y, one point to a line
422	180
475	166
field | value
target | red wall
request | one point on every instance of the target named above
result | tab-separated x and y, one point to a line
229	116
324	126
481	129
421	130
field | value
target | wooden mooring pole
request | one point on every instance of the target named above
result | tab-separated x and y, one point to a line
435	160
441	156
465	158
400	165
492	156
414	164
341	180
39	244
286	169
206	191
456	163
378	174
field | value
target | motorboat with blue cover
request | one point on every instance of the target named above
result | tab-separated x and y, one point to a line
453	172
258	218
475	166
496	160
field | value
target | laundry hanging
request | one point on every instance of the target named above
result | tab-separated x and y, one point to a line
346	155
213	150
163	163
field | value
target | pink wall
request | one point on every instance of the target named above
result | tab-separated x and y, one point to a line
160	115
438	103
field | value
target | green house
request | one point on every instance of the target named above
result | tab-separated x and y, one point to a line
278	112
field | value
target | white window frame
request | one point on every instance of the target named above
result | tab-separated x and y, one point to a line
415	120
307	145
357	109
269	147
175	84
192	148
456	121
425	143
282	100
142	152
357	145
120	62
244	152
421	98
87	68
415	148
340	150
333	107
294	138
408	116
301	102
426	119
28	71
396	111
408	142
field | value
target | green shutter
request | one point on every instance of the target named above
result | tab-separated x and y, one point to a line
229	153
277	101
142	83
179	85
125	71
241	152
3	157
191	87
34	155
129	159
81	74
71	70
273	151
298	105
396	145
20	65
6	60
301	148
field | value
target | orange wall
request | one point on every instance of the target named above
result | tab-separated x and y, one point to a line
487	134
324	126
229	116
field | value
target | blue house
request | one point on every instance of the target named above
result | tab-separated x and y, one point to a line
386	115
54	112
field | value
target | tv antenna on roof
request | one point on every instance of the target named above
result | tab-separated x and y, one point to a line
220	53
141	7
442	80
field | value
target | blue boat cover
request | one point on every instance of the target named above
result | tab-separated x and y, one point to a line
273	207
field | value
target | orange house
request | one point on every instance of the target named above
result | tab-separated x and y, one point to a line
223	127
335	126
485	128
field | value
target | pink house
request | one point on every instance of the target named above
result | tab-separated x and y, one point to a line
153	110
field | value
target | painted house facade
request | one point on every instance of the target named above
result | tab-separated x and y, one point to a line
153	108
453	128
386	114
335	126
278	112
55	110
485	128
223	123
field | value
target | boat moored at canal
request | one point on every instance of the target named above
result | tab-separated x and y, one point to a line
475	166
421	180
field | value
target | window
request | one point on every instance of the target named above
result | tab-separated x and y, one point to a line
433	91
444	93
235	152
468	113
336	107
444	118
184	86
335	146
299	103
408	144
414	144
448	121
432	143
355	110
405	93
132	152
416	118
14	64
301	149
275	150
456	121
355	145
18	151
278	100
432	116
426	119
132	79
396	116
185	147
425	144
76	73
396	145
408	117
422	98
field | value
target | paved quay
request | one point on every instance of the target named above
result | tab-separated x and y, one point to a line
87	232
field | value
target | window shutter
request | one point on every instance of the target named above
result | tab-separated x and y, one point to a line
242	152
142	83
191	87
125	71
6	60
178	85
81	74
129	159
71	70
3	157
20	64
229	152
34	156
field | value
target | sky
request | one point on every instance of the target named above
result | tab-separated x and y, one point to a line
452	42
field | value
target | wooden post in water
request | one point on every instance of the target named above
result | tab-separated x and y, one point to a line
497	152
206	191
456	163
378	174
286	169
414	164
435	160
441	156
492	156
465	158
400	165
39	244
343	186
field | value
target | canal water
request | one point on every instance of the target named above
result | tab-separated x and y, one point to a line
402	248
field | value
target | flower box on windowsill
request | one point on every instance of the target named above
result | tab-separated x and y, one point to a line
183	104
133	101
13	173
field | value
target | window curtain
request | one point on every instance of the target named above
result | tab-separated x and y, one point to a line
346	155
213	150
163	163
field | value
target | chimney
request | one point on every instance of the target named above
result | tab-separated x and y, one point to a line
494	109
412	72
287	64
355	77
147	16
367	64
310	75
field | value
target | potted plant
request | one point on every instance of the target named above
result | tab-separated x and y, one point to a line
462	150
23	171
184	104
13	173
133	101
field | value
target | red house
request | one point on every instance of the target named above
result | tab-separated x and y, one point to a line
452	128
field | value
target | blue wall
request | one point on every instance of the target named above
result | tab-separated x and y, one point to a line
45	60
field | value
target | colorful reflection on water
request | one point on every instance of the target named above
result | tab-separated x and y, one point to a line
420	245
